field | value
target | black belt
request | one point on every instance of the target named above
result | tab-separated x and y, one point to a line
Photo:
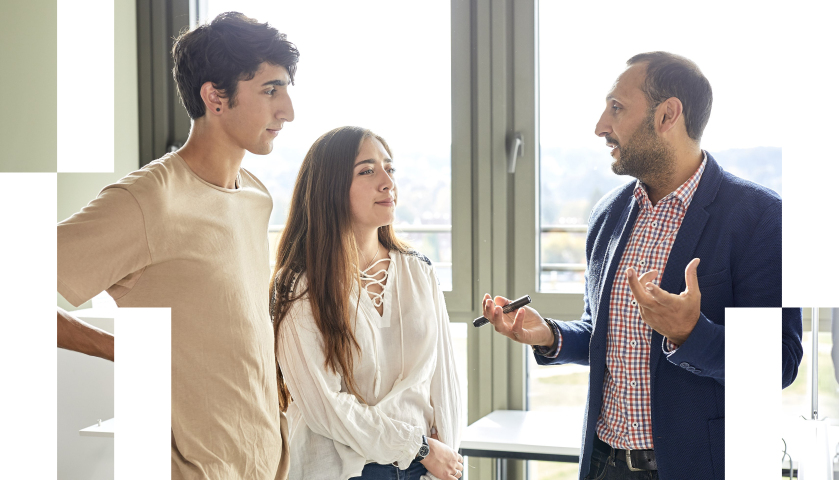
636	460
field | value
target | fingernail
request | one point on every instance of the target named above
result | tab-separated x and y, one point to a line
649	286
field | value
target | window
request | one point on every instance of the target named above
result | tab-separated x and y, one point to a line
575	164
447	83
796	398
363	65
579	50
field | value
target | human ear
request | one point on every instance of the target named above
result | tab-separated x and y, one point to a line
213	102
672	112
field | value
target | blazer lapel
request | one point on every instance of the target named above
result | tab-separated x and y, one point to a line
684	247
617	244
691	229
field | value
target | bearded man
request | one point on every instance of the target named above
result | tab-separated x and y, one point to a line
656	403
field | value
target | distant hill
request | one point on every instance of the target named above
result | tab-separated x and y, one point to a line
573	180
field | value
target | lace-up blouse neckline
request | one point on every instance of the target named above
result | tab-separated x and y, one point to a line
369	277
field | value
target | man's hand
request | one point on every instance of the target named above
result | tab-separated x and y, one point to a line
673	316
442	462
525	325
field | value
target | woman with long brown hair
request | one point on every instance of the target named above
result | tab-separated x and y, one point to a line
362	335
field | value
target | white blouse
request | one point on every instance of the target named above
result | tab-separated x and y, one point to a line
406	352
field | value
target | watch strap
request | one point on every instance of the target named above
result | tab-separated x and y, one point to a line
423	450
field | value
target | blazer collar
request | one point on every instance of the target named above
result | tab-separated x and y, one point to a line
690	231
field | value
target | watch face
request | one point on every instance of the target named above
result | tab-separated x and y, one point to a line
423	452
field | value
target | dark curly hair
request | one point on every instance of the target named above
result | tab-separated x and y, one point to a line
228	49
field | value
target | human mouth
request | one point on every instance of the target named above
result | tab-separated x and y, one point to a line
387	203
614	148
274	131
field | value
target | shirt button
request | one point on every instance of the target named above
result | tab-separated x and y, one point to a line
632	383
634	424
655	224
642	262
634	303
633	343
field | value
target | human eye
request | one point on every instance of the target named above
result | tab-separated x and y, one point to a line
615	107
391	170
366	172
271	91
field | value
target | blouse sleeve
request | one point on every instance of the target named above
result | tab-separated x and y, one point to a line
327	410
445	387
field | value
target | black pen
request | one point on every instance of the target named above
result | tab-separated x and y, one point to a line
514	305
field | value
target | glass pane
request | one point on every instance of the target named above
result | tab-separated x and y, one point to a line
796	398
552	470
435	246
458	332
582	49
563	258
582	52
557	389
361	64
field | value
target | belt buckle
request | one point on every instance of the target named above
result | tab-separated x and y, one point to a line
629	463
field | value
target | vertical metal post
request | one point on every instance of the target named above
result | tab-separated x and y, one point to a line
500	468
814	364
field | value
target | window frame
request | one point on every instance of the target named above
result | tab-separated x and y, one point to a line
527	268
493	94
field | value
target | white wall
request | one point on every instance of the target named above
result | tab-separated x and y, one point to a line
85	385
85	392
28	69
75	190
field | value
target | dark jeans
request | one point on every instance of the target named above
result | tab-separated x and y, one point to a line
605	468
375	471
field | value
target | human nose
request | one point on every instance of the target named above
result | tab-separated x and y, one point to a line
603	128
388	183
285	110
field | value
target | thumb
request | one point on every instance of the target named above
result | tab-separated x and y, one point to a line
691	280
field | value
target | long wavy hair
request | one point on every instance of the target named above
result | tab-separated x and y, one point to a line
318	241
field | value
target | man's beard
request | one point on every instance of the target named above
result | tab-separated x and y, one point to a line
645	156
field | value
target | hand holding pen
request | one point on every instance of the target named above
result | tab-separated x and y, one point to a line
509	307
524	325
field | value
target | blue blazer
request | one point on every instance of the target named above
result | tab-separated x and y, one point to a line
734	227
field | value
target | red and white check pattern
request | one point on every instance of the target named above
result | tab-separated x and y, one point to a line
624	421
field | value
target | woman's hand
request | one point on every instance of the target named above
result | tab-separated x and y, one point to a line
442	462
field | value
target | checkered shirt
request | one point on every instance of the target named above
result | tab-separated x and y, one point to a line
625	419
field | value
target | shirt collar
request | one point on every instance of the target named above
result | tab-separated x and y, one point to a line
683	194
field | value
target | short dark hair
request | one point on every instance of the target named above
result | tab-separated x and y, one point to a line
228	49
671	75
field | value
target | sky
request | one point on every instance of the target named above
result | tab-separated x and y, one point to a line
385	66
584	47
373	67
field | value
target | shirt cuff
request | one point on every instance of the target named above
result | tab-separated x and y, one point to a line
668	347
413	449
553	350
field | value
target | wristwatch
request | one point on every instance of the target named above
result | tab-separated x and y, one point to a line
423	451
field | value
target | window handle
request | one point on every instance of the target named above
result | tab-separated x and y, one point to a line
515	149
